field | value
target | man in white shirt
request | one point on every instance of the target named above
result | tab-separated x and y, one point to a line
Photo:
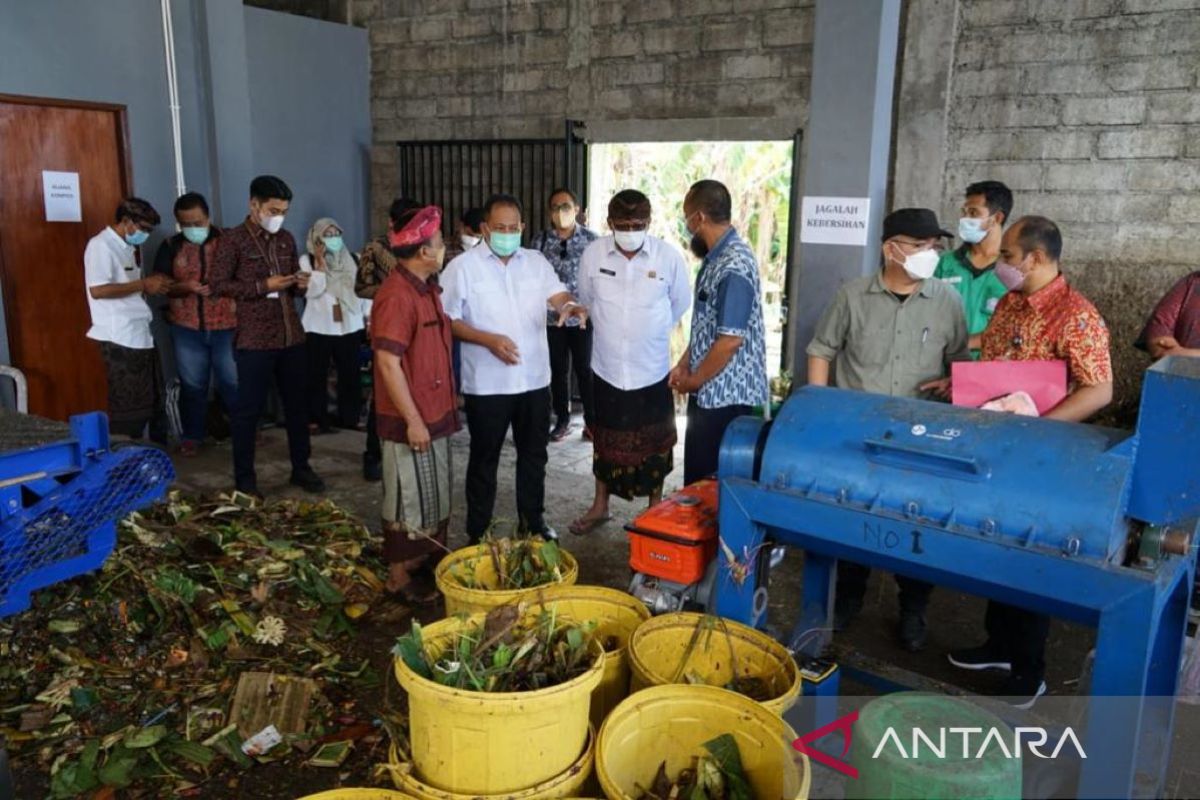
636	287
121	318
497	297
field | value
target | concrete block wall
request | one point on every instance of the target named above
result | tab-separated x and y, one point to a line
1090	111
679	69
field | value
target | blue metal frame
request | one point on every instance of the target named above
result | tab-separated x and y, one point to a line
1140	614
60	503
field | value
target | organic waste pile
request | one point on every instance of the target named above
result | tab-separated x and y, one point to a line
716	775
519	563
129	676
759	688
504	653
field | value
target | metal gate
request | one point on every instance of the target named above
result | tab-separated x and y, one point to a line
461	174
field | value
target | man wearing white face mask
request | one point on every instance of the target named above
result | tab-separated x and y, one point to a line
257	265
636	287
970	269
563	244
896	333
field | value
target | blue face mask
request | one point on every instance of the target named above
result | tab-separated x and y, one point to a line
137	237
196	235
333	243
971	230
504	244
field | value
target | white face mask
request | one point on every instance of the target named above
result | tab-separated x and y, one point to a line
272	224
920	265
468	241
630	241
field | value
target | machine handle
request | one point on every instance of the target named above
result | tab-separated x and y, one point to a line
894	454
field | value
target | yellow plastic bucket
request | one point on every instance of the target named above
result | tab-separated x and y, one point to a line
672	723
358	794
562	785
493	742
659	645
476	562
617	615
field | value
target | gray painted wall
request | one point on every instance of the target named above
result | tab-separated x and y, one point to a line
309	111
228	58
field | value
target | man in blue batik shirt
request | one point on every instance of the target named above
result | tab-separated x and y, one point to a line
563	244
724	369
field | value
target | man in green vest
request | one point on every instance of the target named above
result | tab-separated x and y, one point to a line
971	268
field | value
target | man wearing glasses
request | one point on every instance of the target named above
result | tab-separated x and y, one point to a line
896	333
563	244
497	297
636	288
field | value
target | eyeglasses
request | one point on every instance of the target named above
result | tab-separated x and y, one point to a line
500	228
629	224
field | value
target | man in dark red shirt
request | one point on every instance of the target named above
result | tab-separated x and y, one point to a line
1174	327
256	265
414	402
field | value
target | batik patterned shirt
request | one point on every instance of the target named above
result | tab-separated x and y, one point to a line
564	255
1055	322
728	302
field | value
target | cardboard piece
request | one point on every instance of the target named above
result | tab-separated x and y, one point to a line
265	698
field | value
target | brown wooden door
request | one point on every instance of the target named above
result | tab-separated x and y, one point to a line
41	263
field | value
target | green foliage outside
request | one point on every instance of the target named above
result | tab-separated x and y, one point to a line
759	176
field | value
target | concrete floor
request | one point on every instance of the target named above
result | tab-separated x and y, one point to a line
955	618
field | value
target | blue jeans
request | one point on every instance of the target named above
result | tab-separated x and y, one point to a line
198	354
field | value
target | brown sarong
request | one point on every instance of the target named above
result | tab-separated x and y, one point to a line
634	437
133	393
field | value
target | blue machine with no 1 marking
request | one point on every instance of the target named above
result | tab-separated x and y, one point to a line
1076	521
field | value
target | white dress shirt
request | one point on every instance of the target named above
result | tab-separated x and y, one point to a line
633	303
510	299
107	259
319	303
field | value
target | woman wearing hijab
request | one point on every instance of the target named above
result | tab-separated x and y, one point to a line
333	322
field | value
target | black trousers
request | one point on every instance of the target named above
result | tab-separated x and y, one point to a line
343	350
702	442
570	351
1020	635
488	420
374	450
852	587
287	369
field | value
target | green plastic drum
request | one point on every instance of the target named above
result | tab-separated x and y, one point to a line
894	762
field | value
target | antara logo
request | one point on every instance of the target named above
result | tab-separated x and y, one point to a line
1033	738
991	738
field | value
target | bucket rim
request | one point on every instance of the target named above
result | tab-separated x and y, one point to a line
442	578
743	632
594	674
578	766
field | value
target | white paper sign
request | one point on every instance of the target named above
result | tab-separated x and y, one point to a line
61	193
835	220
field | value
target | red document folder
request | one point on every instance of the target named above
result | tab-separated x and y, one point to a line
977	382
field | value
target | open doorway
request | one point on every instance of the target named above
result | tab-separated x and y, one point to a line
759	176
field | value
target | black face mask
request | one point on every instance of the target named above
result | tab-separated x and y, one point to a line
698	246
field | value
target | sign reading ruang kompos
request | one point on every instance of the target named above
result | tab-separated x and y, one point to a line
835	220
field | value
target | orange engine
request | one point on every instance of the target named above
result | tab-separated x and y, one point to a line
677	539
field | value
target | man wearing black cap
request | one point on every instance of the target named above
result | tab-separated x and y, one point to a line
895	333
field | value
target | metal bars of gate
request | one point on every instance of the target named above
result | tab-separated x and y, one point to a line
458	175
